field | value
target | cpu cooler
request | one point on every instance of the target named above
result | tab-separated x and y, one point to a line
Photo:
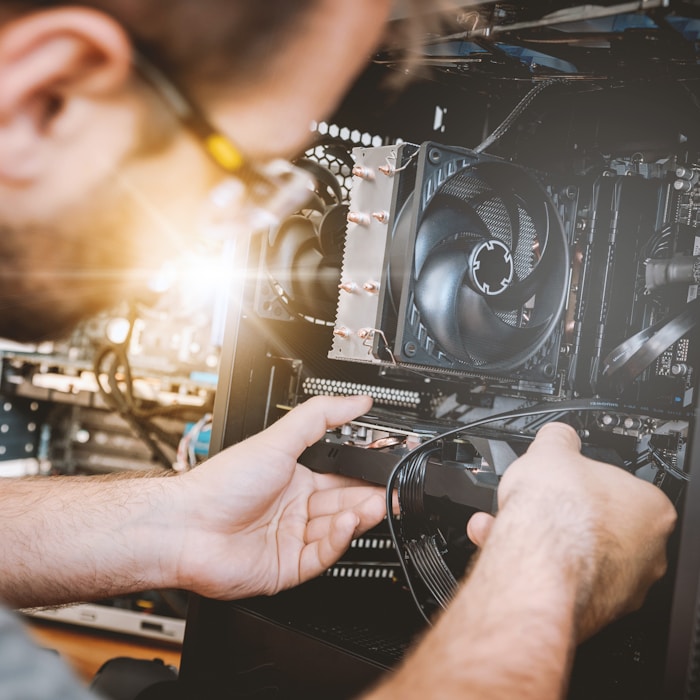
476	267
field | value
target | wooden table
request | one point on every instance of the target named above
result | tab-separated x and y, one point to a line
85	650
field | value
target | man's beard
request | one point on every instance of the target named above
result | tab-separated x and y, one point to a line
54	276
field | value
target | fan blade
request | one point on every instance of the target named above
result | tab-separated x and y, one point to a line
328	187
291	237
314	280
446	217
457	317
500	217
483	335
331	230
519	188
436	294
518	293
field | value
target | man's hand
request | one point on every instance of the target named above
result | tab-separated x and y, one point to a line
575	544
257	522
614	525
249	521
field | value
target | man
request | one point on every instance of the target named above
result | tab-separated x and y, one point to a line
88	145
91	159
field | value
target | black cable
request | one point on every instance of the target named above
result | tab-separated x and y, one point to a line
124	403
398	543
667	466
630	358
134	408
411	483
508	122
143	431
432	569
424	552
435	563
415	456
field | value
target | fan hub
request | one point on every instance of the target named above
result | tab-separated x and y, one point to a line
490	267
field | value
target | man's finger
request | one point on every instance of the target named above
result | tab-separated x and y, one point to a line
317	556
479	528
308	422
370	511
334	500
552	437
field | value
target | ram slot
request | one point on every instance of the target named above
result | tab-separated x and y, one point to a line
583	283
607	284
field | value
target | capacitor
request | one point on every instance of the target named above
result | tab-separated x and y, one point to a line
685	173
683	185
632	423
679	369
609	420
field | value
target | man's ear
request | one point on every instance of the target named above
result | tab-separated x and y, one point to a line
46	58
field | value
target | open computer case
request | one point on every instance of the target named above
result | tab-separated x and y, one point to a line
511	237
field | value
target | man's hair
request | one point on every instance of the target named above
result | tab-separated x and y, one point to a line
44	289
201	41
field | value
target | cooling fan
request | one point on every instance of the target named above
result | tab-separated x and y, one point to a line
303	255
478	268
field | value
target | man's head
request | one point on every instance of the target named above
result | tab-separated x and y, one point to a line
95	172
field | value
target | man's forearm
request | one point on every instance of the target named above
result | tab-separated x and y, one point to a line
78	538
509	633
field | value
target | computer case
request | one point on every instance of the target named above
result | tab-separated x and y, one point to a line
553	152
